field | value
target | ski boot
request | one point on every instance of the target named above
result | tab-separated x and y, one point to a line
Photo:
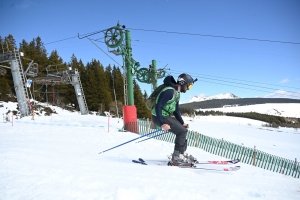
178	159
190	157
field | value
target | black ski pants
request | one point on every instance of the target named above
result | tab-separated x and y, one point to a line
178	129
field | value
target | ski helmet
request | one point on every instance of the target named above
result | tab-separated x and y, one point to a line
185	80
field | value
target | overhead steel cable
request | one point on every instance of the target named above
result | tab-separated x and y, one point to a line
77	36
270	91
286	95
61	40
91	40
181	33
209	48
216	36
289	95
240	80
90	34
246	84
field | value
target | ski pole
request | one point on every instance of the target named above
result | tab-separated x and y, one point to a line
153	136
130	141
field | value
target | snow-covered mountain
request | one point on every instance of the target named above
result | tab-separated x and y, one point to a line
220	96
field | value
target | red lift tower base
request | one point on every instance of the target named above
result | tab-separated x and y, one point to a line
130	118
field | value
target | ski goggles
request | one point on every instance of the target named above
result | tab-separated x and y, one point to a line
189	86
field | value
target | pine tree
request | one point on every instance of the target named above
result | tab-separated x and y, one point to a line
5	88
142	111
9	43
145	95
119	84
109	77
55	59
90	91
103	87
99	91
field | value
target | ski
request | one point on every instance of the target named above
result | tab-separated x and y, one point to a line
189	166
233	168
212	162
220	162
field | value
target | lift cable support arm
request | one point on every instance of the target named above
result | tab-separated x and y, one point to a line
89	34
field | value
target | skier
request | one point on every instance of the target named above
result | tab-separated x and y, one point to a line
167	104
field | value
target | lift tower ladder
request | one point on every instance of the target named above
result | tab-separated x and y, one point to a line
125	89
19	78
76	82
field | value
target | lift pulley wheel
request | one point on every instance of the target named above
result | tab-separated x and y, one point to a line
113	37
143	75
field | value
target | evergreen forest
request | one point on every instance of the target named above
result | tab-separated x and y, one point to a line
103	86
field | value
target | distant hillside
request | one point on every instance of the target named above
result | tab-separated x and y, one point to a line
219	103
220	96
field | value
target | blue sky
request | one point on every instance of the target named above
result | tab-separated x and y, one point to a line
244	67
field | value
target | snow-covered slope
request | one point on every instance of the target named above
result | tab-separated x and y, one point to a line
56	157
220	96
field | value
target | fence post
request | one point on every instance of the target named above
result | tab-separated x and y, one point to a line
222	147
148	126
197	136
254	156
